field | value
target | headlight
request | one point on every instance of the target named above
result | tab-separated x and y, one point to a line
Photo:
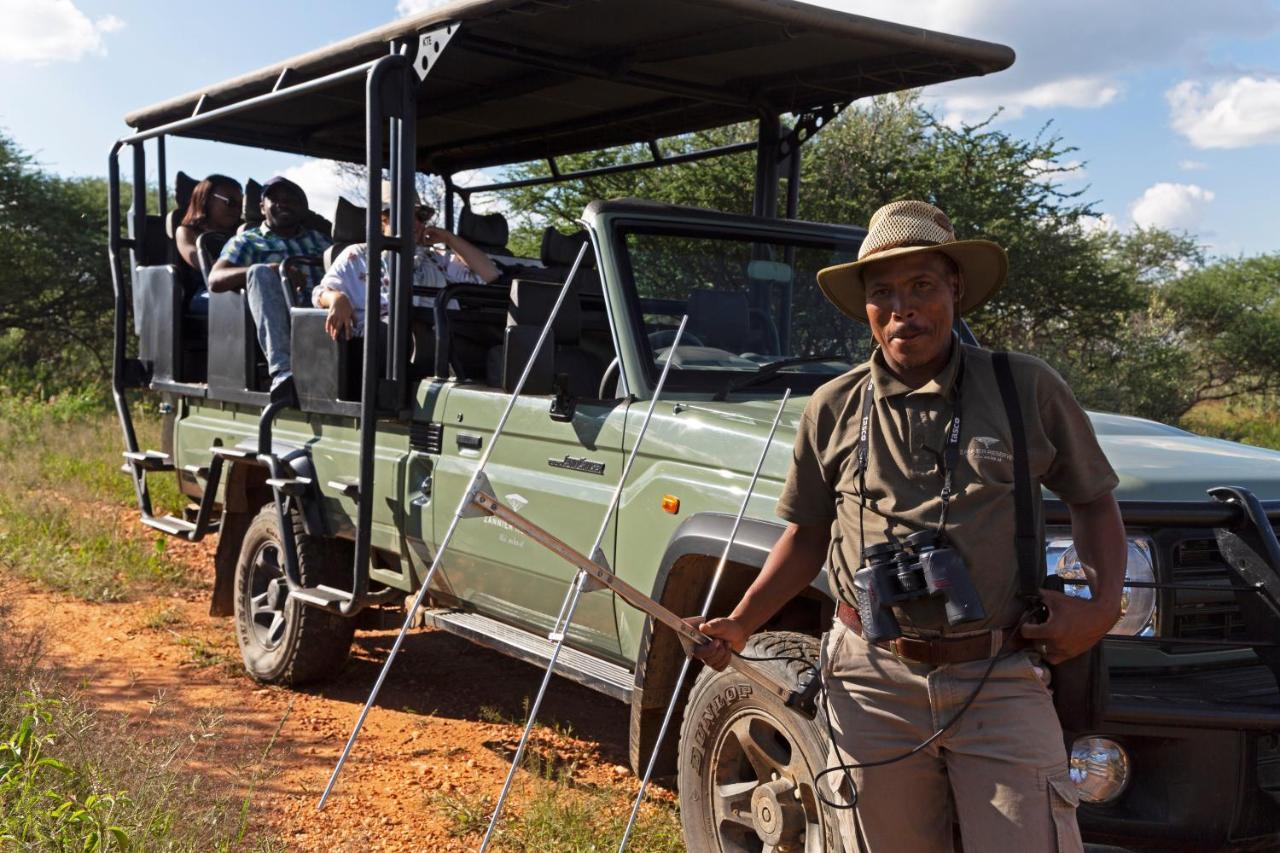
1099	768
1137	604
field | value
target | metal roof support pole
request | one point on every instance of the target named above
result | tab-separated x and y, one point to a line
162	184
581	583
138	206
115	243
706	608
462	511
793	182
767	141
448	201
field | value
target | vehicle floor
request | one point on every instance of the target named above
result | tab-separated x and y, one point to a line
440	740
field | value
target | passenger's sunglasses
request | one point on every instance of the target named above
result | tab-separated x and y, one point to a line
233	203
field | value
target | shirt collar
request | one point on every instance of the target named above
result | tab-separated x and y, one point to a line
943	384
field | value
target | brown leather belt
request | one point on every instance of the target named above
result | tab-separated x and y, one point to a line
942	650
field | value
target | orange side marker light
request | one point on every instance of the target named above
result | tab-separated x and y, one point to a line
671	504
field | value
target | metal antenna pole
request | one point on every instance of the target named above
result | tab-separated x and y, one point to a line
463	503
574	595
706	608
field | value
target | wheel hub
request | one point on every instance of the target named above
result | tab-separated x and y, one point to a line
778	816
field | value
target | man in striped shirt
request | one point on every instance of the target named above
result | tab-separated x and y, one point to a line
251	260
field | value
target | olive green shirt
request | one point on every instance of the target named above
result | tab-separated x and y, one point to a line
907	436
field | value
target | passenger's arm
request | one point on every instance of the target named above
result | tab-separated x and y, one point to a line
185	237
470	255
226	276
790	568
341	317
1075	624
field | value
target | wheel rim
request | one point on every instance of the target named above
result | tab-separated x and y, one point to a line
762	789
268	595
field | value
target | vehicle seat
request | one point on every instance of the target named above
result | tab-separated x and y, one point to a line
720	319
348	228
252	205
209	247
486	231
528	308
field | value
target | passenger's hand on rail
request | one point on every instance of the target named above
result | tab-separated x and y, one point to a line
341	317
727	635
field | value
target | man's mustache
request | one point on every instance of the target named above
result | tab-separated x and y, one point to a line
906	330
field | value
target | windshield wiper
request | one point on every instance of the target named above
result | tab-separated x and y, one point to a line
767	371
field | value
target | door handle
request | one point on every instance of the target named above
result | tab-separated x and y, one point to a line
468	442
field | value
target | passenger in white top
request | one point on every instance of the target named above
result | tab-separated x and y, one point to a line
343	288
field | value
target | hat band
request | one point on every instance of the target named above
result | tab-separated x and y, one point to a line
903	244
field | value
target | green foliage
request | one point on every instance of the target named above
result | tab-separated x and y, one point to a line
1251	421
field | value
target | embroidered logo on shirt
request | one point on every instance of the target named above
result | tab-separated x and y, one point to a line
987	447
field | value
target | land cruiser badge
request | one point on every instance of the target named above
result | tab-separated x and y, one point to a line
578	463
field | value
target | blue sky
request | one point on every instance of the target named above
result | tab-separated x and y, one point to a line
1174	105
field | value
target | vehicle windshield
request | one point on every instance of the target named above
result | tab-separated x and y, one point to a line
752	302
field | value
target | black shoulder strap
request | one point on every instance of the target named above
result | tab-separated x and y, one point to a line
1028	545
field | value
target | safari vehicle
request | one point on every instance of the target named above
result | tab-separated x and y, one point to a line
327	511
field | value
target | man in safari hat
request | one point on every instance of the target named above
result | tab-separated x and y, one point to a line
917	441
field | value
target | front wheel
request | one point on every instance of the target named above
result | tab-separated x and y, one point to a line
748	762
282	640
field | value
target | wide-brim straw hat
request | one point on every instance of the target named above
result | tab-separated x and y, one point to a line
907	228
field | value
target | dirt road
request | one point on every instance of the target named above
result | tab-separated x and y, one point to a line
438	743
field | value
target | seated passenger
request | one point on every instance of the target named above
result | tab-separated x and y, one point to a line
343	288
216	205
251	261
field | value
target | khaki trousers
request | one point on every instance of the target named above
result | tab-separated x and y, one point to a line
1001	770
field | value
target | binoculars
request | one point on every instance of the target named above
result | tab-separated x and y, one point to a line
918	568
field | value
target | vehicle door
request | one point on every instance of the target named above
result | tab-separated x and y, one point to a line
559	474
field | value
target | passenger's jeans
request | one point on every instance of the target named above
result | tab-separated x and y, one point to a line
269	305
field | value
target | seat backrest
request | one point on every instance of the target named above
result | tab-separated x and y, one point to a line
209	246
252	205
531	302
487	231
348	227
720	318
558	253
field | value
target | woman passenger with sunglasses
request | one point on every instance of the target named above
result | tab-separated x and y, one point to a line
216	205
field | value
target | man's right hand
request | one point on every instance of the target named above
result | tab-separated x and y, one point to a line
728	635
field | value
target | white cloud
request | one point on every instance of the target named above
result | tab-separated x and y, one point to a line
323	182
1192	165
1227	113
405	8
1094	224
43	31
1177	207
1077	92
1053	45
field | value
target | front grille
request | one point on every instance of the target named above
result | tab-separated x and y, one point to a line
427	437
1202	614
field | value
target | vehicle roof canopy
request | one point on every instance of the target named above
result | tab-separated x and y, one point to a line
530	79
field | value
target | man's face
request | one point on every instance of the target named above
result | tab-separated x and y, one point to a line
911	304
283	208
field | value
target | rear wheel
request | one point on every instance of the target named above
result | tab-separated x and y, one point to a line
281	640
748	762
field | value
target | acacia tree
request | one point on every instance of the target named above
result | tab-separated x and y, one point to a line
55	285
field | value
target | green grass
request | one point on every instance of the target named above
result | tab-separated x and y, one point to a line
75	779
59	469
1255	422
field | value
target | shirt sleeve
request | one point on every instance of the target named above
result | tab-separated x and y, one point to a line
337	276
236	251
457	272
1079	471
808	498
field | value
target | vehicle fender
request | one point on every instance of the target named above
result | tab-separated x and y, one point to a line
658	662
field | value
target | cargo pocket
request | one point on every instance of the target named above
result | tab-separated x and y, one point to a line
1063	799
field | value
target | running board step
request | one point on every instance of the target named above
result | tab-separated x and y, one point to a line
171	524
149	460
324	597
608	678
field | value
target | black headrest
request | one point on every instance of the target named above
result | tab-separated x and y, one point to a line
183	186
485	230
531	303
252	203
561	250
348	222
